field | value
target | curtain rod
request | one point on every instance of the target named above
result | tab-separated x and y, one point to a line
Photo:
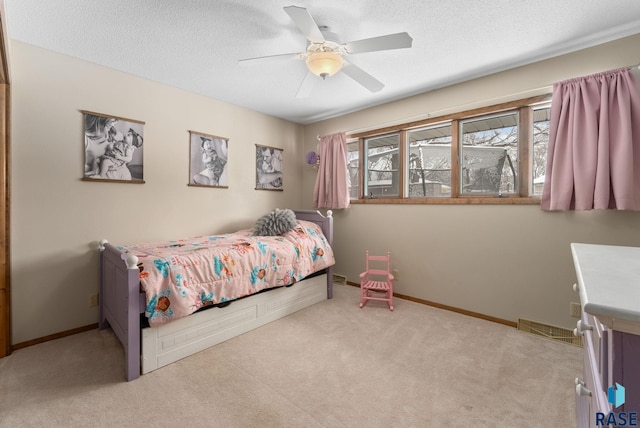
429	115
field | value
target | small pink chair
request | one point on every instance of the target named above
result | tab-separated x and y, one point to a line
377	279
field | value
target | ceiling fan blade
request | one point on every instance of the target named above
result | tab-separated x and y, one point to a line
307	85
305	22
381	43
270	58
362	77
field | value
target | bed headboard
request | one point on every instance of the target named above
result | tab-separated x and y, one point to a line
326	223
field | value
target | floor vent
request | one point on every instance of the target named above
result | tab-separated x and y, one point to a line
339	279
549	331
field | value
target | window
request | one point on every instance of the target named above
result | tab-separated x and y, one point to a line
353	163
383	166
540	145
490	155
429	160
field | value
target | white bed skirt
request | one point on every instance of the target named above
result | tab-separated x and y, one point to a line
178	339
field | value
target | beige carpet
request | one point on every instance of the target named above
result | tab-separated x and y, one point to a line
330	365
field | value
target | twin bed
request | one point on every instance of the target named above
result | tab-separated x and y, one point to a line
168	300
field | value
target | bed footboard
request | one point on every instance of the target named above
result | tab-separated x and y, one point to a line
121	302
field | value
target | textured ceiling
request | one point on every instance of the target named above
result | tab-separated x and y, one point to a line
195	45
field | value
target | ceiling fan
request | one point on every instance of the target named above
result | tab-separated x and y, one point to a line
325	54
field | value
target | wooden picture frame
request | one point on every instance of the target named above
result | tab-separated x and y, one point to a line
113	149
208	160
269	163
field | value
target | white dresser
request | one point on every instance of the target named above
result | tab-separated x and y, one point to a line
609	288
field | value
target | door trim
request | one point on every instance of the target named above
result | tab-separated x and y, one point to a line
5	110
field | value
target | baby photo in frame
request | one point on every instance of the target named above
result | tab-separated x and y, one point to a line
269	162
112	148
209	156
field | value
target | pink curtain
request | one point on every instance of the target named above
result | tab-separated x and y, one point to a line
593	159
332	185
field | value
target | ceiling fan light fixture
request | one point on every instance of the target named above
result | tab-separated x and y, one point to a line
324	64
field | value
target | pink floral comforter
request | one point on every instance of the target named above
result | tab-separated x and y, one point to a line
180	277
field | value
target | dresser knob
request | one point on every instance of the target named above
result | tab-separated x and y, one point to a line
575	287
582	391
581	327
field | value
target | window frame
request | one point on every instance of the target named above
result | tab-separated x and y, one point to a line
524	194
507	162
407	172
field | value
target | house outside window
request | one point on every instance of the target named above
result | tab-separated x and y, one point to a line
489	155
429	160
382	168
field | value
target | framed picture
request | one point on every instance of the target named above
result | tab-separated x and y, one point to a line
269	162
112	148
208	160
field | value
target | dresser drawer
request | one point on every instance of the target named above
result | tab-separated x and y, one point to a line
599	345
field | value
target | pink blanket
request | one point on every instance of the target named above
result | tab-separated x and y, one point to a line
180	277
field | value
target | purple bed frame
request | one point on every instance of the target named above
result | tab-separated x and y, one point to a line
122	301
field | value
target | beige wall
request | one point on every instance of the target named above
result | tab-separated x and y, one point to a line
503	261
508	262
57	219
